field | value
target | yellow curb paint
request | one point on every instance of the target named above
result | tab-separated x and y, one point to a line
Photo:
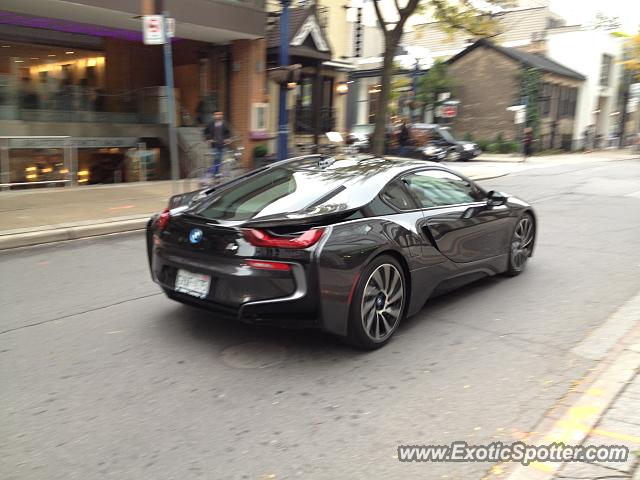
543	467
595	392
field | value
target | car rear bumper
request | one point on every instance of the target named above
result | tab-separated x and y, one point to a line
241	292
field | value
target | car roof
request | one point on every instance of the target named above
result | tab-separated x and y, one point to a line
358	178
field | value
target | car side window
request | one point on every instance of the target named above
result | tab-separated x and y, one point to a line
437	188
396	195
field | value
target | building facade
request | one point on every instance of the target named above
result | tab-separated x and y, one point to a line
81	70
487	85
597	55
316	103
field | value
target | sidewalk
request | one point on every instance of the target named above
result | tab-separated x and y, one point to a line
603	408
30	217
607	154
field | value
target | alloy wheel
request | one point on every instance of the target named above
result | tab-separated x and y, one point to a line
382	302
453	155
522	243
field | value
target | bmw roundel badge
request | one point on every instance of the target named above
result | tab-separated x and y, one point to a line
195	235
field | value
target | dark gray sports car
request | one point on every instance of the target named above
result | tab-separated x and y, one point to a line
350	245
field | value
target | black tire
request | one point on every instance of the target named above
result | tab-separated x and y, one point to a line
385	312
453	155
521	245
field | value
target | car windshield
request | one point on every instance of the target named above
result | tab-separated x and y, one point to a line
446	134
362	129
277	191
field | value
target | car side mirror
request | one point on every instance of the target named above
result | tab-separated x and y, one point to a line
496	199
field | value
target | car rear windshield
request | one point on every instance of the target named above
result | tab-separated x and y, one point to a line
276	191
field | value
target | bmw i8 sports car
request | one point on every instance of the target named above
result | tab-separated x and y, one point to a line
348	245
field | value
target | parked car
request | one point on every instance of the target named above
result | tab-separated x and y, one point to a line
360	136
350	245
424	133
431	152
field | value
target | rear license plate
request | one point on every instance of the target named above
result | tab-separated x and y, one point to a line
195	284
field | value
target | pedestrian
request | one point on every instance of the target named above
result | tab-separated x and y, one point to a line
527	142
217	134
404	138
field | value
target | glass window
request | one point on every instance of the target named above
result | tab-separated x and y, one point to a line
436	188
396	195
545	100
605	70
273	192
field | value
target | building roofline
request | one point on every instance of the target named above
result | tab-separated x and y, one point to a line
521	57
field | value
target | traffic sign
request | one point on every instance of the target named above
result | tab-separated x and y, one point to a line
449	111
153	29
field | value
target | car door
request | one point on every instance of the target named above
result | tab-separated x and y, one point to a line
457	218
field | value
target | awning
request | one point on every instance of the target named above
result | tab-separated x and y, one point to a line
339	65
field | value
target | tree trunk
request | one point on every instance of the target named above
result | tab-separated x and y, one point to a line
391	43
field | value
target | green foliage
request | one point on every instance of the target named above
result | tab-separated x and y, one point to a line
530	82
498	145
631	61
436	81
260	151
484	145
462	16
468	137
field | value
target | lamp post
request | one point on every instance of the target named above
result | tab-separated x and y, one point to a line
283	60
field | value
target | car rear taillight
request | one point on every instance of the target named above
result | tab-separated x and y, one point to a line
266	265
163	219
260	238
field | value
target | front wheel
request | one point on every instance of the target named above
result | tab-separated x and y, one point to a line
521	245
379	304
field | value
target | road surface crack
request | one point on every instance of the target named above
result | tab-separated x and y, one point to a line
95	309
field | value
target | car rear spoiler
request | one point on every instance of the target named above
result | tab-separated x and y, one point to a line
314	218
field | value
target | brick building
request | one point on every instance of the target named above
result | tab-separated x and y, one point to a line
486	84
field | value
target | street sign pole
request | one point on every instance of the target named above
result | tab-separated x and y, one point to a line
283	60
171	108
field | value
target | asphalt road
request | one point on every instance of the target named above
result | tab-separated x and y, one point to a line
103	377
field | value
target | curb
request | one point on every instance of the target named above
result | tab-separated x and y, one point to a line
575	415
59	233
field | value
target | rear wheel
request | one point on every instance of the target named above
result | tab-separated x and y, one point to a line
379	304
452	155
521	245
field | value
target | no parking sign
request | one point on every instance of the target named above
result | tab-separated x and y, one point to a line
153	29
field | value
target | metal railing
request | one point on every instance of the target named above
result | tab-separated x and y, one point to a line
75	103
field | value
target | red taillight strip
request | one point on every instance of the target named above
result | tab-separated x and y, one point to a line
260	238
266	265
163	219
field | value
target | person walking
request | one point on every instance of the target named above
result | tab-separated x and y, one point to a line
527	142
404	138
217	134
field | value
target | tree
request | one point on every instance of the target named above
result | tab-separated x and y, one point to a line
451	16
632	54
530	82
605	22
631	63
435	82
